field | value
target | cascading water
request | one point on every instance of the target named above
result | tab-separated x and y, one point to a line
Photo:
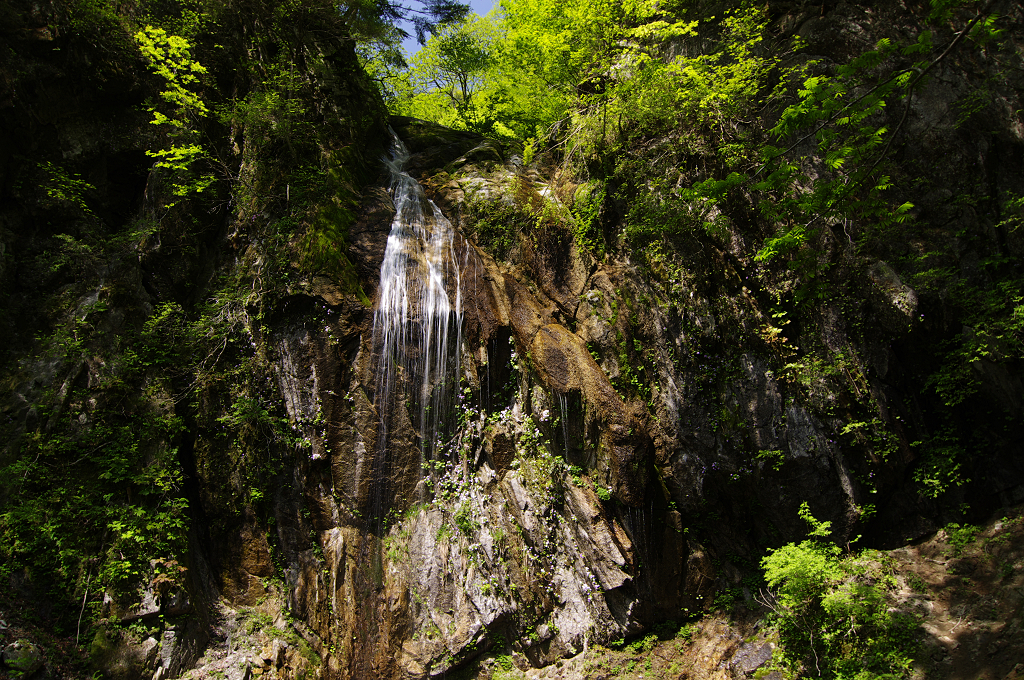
417	325
417	337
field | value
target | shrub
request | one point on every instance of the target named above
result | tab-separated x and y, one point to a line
832	619
960	537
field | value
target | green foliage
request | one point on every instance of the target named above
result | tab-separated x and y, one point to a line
634	369
246	412
323	247
170	57
72	254
452	62
726	599
497	225
686	106
383	59
63	188
91	495
941	464
272	110
993	314
515	73
666	630
256	621
109	493
851	143
704	90
687	632
832	615
94	495
587	202
90	16
541	471
842	112
643	645
446	79
772	457
464	520
545	51
960	537
916	583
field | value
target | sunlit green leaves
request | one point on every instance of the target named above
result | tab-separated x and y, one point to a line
518	71
941	464
63	187
831	610
445	76
170	57
922	45
111	492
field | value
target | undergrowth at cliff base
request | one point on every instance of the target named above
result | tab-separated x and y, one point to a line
833	612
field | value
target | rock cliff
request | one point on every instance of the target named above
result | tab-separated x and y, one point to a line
194	460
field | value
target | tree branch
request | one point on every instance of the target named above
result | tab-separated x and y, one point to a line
910	88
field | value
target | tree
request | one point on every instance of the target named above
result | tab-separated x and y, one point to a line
523	67
371	19
453	63
170	57
507	74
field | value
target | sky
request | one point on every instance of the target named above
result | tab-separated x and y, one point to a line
480	7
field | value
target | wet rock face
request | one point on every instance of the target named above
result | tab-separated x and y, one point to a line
731	424
500	544
434	147
617	455
564	364
494	544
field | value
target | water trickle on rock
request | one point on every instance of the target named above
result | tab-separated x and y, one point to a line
564	411
417	325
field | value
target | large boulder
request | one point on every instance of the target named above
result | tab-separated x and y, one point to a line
24	657
434	146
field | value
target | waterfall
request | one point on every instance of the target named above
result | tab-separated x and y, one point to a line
417	325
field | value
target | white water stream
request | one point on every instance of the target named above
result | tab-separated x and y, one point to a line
417	325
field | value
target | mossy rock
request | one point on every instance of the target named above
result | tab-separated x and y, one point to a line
434	146
23	657
118	658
